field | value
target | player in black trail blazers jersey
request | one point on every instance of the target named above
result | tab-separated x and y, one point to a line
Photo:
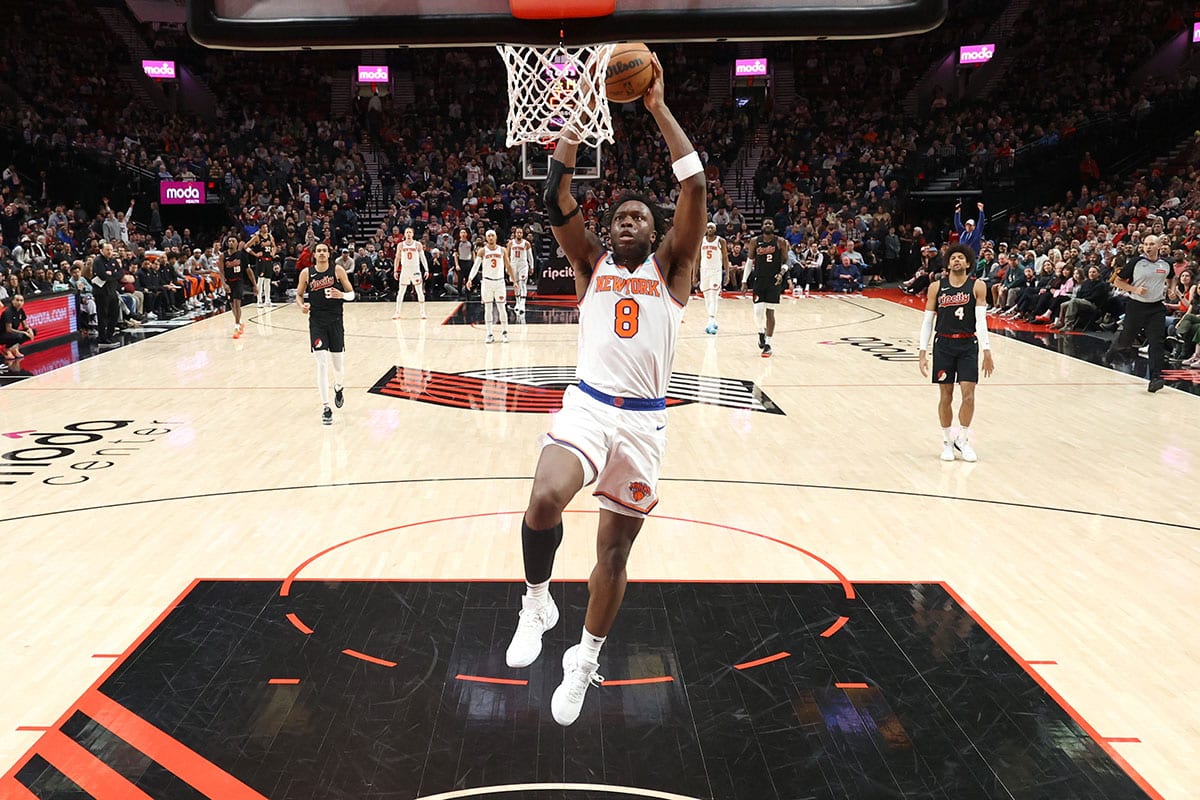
237	270
768	259
959	304
321	293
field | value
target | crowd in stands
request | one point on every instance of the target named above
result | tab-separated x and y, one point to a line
834	175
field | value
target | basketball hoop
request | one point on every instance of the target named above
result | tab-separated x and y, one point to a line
557	92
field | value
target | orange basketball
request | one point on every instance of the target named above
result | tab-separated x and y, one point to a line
630	71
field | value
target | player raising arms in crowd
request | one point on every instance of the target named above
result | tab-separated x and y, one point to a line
611	430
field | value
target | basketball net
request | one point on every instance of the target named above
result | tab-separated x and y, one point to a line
557	93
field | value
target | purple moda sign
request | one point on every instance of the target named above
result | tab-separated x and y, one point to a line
1195	32
367	74
181	193
749	67
976	53
159	70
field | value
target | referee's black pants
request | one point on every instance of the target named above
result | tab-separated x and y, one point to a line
1148	317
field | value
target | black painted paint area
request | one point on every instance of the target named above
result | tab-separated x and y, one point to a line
945	713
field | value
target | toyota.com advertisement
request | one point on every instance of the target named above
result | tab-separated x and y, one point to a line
52	317
181	193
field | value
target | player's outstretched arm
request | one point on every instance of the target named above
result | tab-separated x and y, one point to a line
680	249
581	247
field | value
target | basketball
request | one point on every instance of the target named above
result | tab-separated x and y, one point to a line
630	71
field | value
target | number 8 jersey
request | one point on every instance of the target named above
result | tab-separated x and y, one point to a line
628	327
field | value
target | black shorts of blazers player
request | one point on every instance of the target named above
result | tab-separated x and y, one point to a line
323	290
611	431
959	305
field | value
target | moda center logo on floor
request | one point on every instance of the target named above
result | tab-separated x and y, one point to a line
882	349
76	453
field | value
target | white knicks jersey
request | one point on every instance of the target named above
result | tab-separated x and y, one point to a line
710	254
493	262
410	255
518	253
628	326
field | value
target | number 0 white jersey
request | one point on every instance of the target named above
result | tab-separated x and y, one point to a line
410	256
628	326
518	255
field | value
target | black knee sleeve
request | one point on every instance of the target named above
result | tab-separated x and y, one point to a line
538	548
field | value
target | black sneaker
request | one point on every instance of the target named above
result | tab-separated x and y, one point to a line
762	341
1155	385
327	416
766	353
339	398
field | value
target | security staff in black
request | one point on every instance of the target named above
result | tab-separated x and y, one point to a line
958	303
1145	278
770	263
322	291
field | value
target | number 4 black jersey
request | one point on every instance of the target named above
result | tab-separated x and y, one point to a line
956	309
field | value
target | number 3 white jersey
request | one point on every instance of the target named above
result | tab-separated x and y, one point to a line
493	263
628	326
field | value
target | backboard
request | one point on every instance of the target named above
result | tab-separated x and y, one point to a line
324	24
535	161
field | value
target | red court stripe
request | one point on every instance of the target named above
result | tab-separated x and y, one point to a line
284	681
1132	739
12	789
381	662
852	686
34	728
94	776
192	768
292	618
835	627
106	655
481	679
767	660
1041	662
639	681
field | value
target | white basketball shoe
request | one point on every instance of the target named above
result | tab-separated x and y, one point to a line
578	675
535	619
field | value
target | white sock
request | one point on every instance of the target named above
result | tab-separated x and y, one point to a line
964	434
400	298
589	647
947	435
322	357
768	339
538	591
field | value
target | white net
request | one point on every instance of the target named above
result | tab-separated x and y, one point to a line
557	92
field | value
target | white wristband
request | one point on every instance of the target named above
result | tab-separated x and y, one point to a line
687	166
347	295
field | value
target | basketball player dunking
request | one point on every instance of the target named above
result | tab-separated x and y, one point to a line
959	304
770	263
493	260
611	430
411	268
520	256
318	295
714	263
236	270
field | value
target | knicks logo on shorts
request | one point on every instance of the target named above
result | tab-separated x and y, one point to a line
639	491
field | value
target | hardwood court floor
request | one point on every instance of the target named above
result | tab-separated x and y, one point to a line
1072	538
